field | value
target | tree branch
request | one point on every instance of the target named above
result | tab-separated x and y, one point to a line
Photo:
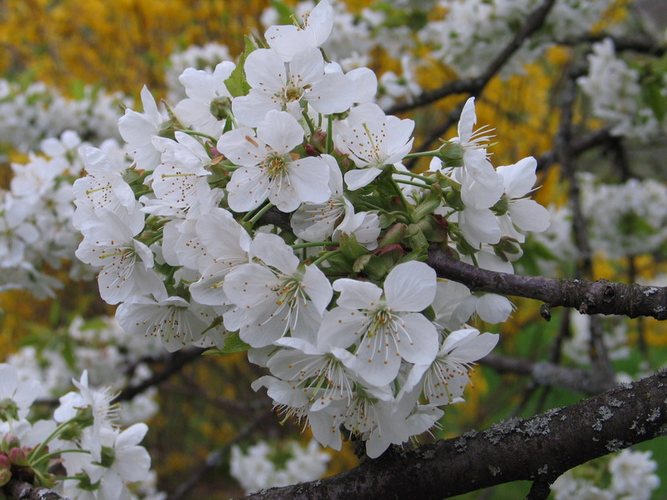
175	364
578	146
534	22
588	297
20	490
538	449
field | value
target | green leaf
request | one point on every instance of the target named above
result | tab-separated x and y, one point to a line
351	248
232	344
284	12
237	84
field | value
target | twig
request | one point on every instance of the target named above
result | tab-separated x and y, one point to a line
534	22
475	86
214	460
598	349
175	363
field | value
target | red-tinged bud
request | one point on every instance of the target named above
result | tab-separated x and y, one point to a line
19	456
441	221
5	462
389	248
394	234
311	150
9	441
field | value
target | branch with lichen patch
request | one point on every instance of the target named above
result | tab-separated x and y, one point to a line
537	449
588	297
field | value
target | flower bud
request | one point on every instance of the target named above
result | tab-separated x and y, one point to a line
19	456
451	154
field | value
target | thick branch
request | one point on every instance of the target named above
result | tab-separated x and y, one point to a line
588	297
540	448
20	490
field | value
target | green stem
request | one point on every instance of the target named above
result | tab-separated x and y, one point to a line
421	155
407	208
309	122
56	432
329	146
312	244
325	256
427	180
410	183
55	454
260	213
197	134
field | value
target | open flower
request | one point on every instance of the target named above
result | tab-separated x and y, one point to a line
372	139
447	376
267	168
386	327
275	295
291	86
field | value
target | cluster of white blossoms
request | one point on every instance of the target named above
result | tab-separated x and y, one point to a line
269	211
31	114
625	219
616	94
36	215
112	358
205	57
356	36
632	477
473	31
101	459
265	465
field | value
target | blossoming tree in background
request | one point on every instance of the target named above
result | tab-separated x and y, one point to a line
278	205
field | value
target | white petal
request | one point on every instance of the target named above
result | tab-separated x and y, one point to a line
493	308
359	178
264	69
474	346
280	131
332	94
317	287
528	215
248	188
356	294
310	179
377	362
273	251
467	120
419	339
519	178
340	327
410	286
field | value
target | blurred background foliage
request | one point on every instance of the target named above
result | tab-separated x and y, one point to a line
121	45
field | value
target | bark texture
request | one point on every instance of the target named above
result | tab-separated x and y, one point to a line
588	297
537	449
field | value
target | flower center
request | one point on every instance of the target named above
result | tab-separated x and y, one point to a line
382	319
293	93
275	165
288	292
